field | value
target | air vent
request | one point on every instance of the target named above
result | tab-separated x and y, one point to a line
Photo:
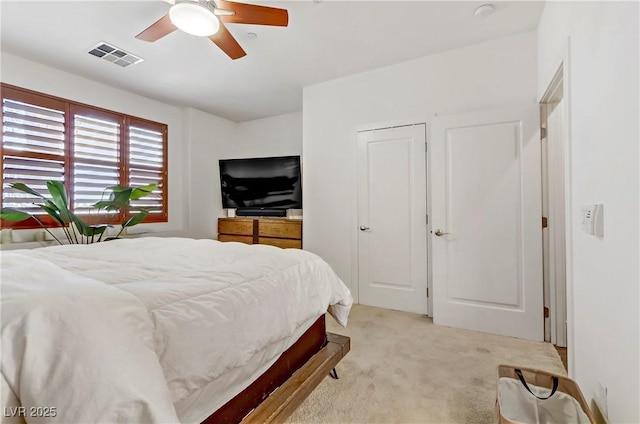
114	55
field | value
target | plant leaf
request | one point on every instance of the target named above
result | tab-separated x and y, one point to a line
80	225
106	205
51	211
26	189
94	230
117	189
50	204
58	192
135	219
121	197
119	200
140	192
13	215
59	198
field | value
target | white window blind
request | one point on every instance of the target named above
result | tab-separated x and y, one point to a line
96	163
33	150
146	164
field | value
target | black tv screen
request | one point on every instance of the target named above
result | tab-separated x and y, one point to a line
272	182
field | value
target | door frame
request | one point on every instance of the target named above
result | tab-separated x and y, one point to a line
354	200
555	290
559	79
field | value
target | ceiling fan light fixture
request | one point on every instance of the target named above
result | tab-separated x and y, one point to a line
194	18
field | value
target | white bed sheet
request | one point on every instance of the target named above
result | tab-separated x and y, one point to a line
207	308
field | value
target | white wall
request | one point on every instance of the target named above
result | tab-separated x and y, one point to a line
483	76
604	109
212	138
273	136
209	137
35	76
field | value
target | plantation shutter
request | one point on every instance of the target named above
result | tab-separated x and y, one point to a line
147	165
96	156
86	148
33	147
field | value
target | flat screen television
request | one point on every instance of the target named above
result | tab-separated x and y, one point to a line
261	186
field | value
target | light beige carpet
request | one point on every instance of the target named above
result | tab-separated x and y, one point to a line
404	369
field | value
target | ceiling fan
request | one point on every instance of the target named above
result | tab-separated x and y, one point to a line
207	18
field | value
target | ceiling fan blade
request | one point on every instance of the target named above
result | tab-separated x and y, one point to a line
159	29
227	43
252	14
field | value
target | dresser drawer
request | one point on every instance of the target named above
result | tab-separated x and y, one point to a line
281	242
284	233
236	226
287	229
240	239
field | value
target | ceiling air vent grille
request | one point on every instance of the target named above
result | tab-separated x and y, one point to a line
114	55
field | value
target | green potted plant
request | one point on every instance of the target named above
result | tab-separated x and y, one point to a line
74	228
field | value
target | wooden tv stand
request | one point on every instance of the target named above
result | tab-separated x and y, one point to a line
281	232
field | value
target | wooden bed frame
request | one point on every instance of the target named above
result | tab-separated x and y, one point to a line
283	387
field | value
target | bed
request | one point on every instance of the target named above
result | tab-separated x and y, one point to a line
157	329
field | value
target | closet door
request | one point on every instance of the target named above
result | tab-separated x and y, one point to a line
392	208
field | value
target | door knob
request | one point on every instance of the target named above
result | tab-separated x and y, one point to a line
364	228
439	233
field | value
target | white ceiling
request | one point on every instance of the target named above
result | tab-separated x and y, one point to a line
324	40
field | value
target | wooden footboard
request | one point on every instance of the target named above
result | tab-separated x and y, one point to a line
281	389
295	390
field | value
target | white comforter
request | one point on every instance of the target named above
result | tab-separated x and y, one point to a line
121	331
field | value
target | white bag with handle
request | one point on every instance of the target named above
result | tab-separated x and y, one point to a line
538	397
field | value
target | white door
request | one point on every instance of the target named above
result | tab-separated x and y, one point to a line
486	207
392	208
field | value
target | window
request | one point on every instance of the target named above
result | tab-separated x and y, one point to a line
87	148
